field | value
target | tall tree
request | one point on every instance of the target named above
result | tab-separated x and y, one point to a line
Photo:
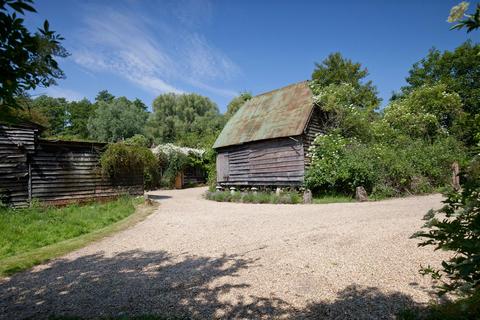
116	120
78	113
27	60
236	103
184	119
459	70
337	70
104	96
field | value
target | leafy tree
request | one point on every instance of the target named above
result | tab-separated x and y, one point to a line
116	120
341	110
55	112
104	96
471	21
425	113
337	70
78	114
459	70
236	103
186	119
27	60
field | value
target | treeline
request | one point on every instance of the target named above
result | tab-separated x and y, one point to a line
185	119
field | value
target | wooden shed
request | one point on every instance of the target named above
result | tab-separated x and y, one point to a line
266	141
55	171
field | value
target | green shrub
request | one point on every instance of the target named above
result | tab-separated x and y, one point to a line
138	140
120	160
402	166
456	227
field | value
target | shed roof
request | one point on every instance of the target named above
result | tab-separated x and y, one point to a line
279	113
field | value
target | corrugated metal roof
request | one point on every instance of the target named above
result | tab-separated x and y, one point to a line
280	113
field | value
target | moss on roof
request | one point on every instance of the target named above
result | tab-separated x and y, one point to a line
279	113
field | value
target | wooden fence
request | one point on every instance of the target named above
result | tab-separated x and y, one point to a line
55	172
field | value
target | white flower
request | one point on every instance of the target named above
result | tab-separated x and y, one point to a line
457	12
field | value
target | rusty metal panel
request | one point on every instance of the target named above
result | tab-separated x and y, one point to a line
280	113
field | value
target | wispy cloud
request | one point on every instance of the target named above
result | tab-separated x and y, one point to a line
152	54
58	92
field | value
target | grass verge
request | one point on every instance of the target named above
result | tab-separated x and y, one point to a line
324	199
34	235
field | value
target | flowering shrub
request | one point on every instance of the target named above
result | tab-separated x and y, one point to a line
174	159
409	166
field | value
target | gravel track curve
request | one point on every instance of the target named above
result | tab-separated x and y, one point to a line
200	259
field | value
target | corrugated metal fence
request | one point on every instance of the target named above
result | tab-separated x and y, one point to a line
55	171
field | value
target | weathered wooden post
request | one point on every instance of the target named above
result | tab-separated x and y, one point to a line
456	176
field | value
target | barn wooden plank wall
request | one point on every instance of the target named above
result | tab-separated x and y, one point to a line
56	172
271	162
16	144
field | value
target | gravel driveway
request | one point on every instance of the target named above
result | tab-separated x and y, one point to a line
201	259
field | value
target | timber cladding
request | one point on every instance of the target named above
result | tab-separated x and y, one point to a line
271	162
56	172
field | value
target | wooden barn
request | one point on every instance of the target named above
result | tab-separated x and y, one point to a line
55	172
266	141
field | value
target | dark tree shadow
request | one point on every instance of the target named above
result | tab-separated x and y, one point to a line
132	283
357	302
156	283
157	197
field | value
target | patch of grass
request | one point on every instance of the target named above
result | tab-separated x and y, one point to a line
332	198
289	197
33	235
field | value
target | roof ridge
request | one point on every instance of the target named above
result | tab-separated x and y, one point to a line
278	89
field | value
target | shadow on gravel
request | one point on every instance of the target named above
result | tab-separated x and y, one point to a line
157	197
181	287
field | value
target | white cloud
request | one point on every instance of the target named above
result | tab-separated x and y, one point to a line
150	53
59	92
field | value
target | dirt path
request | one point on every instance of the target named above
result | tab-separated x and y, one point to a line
203	259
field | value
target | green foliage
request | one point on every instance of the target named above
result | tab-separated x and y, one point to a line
24	230
459	71
27	60
342	111
173	160
289	197
138	140
456	228
120	160
402	166
428	111
117	120
236	103
336	70
185	119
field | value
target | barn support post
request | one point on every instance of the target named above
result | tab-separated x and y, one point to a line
29	200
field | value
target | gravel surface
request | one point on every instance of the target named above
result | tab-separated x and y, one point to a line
202	259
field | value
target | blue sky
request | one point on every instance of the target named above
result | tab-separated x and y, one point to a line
219	48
